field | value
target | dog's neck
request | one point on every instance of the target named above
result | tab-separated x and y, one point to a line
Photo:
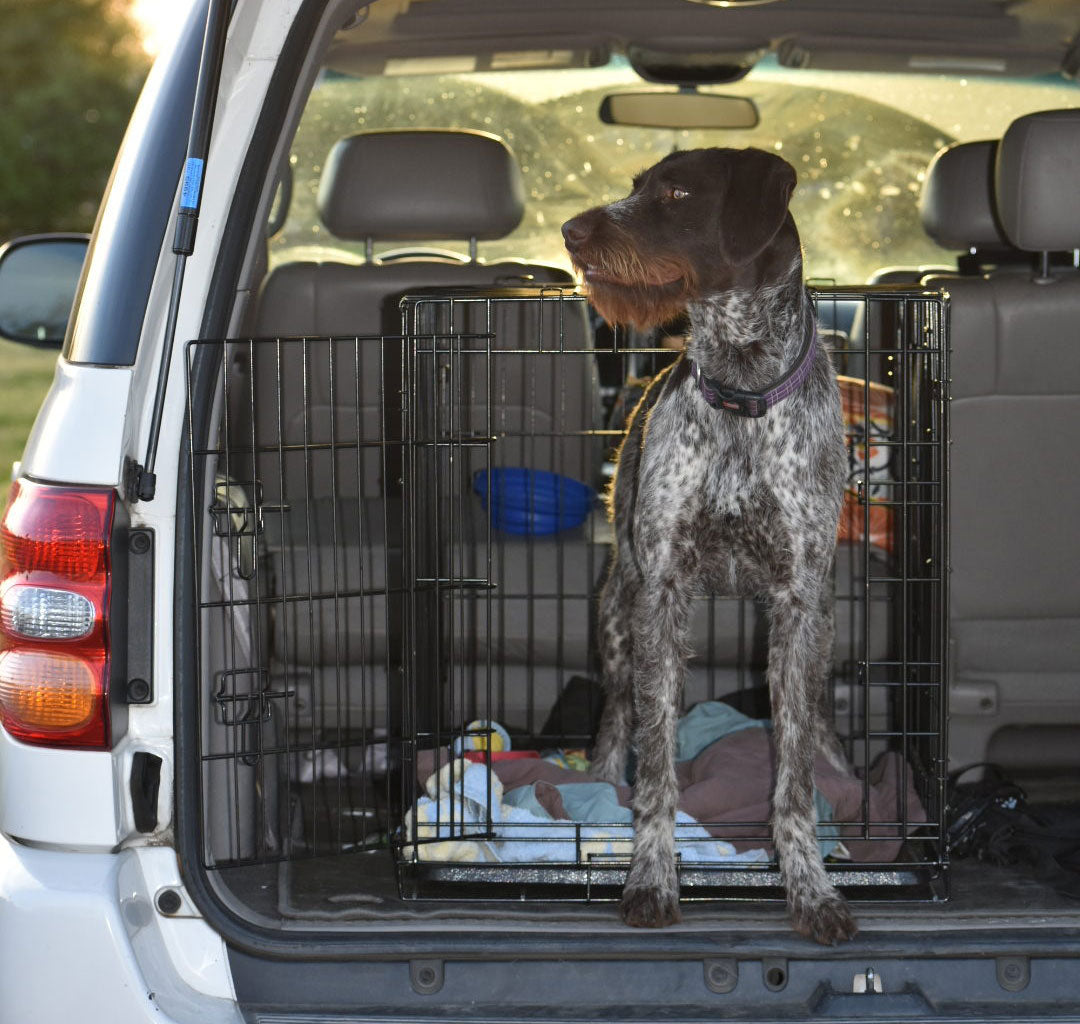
747	337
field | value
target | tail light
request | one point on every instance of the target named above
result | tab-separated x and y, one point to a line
54	615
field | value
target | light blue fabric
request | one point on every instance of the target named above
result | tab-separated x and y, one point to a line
707	722
830	833
519	815
594	801
597	804
471	819
464	811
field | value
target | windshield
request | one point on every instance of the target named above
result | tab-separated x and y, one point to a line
860	143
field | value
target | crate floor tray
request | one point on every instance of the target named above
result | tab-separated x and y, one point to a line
604	881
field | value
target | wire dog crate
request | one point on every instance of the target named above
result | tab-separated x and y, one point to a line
399	546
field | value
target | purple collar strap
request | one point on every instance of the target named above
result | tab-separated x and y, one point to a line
757	403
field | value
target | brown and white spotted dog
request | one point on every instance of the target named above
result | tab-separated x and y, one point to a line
730	480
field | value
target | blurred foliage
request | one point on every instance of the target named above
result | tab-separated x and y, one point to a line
70	71
25	376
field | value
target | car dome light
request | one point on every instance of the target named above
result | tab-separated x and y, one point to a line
45	613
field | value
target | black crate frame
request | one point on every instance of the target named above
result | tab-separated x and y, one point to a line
253	739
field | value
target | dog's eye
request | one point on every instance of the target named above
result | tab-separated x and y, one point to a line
678	193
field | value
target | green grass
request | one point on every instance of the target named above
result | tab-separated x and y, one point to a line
25	376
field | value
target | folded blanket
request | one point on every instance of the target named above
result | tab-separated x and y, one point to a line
725	781
467	817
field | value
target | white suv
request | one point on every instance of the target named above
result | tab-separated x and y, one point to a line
296	703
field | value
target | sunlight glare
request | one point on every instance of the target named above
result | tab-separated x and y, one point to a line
158	20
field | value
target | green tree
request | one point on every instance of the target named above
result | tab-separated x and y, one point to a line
70	71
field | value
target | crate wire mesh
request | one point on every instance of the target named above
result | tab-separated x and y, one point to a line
361	602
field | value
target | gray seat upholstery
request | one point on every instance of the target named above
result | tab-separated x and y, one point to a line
328	413
956	209
1015	585
957	202
398	186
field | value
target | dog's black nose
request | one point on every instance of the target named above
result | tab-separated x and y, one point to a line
575	231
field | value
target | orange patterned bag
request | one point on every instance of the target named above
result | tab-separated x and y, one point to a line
868	418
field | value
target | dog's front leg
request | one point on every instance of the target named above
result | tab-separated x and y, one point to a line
615	627
820	671
817	909
651	894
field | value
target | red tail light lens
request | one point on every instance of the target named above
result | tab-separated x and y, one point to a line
58	530
54	564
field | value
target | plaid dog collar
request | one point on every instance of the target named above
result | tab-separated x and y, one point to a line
757	403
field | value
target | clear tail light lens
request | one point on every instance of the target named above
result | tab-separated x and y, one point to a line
54	600
43	613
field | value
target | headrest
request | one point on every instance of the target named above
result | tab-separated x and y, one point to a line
405	186
957	200
1038	181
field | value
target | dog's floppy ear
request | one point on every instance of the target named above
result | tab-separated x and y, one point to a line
755	204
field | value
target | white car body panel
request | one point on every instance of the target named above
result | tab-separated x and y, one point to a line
82	937
79	432
57	798
84	943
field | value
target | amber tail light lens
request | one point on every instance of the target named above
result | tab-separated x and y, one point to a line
54	601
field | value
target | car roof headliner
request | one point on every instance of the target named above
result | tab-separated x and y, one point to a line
1001	37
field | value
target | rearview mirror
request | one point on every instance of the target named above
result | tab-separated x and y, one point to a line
678	110
39	276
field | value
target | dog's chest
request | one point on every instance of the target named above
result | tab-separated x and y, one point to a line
711	461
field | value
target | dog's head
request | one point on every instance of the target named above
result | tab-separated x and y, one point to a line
699	222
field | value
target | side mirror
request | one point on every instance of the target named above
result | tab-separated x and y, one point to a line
39	276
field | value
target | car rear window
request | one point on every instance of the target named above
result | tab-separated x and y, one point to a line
860	142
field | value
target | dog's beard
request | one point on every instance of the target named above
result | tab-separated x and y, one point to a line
642	306
628	290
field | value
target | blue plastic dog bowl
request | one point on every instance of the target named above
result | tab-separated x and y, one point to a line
533	501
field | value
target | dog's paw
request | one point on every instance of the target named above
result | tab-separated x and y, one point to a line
650	908
828	920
